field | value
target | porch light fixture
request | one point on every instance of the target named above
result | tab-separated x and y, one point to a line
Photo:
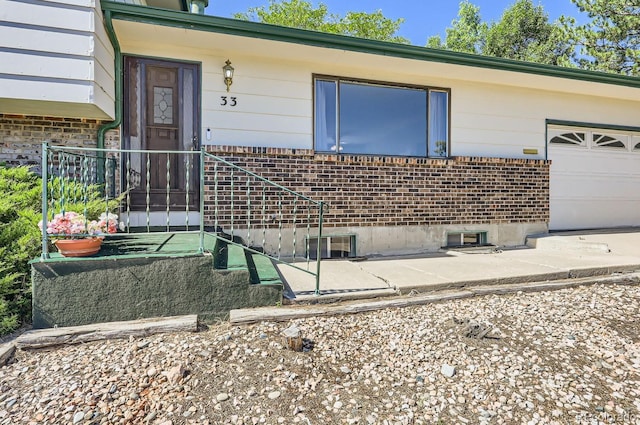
227	71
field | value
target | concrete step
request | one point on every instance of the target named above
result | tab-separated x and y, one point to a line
229	257
233	257
565	242
236	258
262	270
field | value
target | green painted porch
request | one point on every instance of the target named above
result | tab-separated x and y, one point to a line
152	275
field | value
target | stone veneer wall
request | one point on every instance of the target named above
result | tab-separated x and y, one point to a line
390	191
21	136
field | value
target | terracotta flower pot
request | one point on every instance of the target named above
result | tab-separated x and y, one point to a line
78	247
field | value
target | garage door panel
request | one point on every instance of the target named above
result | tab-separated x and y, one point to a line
591	161
593	186
591	214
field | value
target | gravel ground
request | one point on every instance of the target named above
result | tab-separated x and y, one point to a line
563	357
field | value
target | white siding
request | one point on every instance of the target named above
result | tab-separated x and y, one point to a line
55	53
139	2
501	121
104	73
274	104
273	87
274	101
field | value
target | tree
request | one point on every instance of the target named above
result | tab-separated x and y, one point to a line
373	26
301	14
466	34
294	13
525	33
611	41
522	33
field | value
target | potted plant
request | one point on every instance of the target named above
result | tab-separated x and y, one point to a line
76	236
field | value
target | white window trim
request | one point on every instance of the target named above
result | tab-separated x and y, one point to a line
629	138
349	80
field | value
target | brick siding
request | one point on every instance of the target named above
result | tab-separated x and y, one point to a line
21	136
386	191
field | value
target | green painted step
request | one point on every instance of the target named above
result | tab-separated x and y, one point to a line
236	258
262	270
228	256
233	257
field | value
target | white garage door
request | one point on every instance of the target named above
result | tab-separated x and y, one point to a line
595	178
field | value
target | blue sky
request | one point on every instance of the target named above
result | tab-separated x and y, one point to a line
423	18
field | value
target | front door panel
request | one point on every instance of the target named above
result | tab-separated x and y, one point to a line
161	115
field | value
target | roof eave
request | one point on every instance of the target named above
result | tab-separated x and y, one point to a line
241	28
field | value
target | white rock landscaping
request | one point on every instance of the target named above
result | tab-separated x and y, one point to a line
567	356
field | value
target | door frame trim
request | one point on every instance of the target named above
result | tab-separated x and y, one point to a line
196	67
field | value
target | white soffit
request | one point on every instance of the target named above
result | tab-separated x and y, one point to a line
135	34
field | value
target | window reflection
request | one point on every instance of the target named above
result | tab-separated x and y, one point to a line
438	123
363	118
382	120
326	105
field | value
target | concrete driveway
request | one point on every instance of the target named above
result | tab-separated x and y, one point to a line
548	257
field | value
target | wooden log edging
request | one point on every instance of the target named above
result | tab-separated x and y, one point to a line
41	338
247	316
6	351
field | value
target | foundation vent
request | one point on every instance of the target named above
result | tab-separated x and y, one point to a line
334	246
466	239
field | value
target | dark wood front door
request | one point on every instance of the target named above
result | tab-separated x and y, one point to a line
162	118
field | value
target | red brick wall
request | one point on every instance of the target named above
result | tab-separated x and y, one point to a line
21	136
386	191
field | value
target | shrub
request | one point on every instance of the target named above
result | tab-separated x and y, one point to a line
20	237
20	200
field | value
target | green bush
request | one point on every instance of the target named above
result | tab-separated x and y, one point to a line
20	237
20	200
88	201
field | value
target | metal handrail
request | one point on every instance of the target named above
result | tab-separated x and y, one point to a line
285	206
252	174
117	151
248	179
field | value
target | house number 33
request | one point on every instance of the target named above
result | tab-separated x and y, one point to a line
231	101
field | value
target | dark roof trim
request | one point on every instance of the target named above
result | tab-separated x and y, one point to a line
149	15
592	125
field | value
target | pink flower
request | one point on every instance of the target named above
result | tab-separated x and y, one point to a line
72	223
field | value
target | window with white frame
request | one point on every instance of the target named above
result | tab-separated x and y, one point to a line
576	138
617	141
594	138
356	117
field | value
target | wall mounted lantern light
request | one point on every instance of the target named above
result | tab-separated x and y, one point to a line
227	71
